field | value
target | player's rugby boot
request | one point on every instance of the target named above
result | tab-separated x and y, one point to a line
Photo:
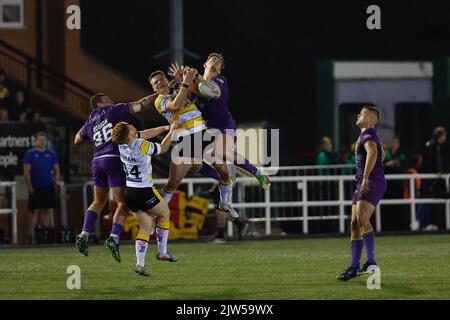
264	181
141	271
242	227
82	244
166	257
217	241
232	214
368	268
114	247
348	274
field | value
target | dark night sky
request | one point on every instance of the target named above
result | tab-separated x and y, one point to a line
271	47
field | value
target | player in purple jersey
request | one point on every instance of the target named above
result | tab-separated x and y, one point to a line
218	117
370	188
107	170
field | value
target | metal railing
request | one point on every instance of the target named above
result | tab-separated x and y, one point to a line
44	84
268	204
13	209
311	170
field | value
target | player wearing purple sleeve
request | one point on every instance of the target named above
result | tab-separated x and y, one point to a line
107	170
370	188
218	118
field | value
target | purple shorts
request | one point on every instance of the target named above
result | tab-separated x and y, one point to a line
377	189
108	172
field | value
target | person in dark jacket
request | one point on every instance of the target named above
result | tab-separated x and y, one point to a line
433	162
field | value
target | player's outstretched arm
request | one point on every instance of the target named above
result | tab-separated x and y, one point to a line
153	132
165	144
78	139
143	104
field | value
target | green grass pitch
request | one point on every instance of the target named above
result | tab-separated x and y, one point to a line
412	267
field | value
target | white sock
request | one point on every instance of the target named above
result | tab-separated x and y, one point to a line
162	235
167	196
223	194
141	250
85	234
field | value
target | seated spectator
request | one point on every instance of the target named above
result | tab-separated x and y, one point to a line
4	114
394	160
18	108
327	155
34	116
3	80
4	96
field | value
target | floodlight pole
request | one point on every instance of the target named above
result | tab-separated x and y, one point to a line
176	50
176	31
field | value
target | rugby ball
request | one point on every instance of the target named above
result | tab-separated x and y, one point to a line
209	89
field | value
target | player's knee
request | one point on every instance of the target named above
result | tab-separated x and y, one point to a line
223	172
97	205
362	223
164	215
122	208
354	226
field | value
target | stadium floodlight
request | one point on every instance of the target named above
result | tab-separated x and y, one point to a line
177	50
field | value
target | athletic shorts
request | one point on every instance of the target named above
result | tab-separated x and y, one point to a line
377	189
108	172
142	199
42	198
194	145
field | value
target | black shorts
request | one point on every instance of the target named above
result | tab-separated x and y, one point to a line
42	198
194	145
142	199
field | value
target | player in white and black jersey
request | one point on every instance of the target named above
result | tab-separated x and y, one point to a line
140	194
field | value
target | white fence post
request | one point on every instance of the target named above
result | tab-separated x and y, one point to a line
412	197
378	218
305	206
14	211
447	206
341	206
268	212
63	203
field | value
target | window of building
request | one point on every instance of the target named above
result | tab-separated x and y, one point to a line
11	14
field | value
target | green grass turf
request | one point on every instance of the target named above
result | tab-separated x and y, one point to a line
412	267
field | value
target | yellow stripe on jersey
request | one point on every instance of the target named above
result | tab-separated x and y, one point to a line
192	123
184	110
187	108
158	103
143	148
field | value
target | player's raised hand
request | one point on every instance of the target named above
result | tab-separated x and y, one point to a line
176	71
189	75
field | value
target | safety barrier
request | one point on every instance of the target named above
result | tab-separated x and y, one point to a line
269	203
13	209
